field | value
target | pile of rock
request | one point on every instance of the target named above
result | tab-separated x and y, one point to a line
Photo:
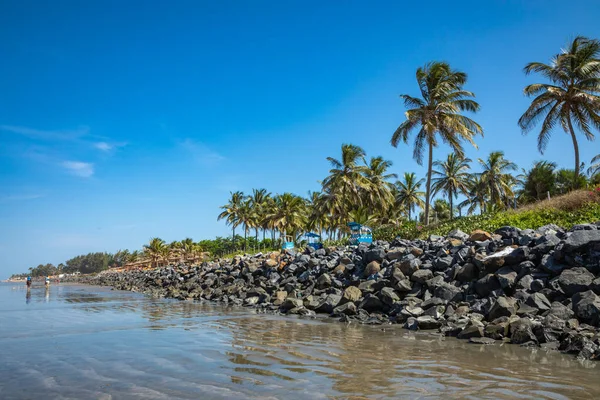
530	287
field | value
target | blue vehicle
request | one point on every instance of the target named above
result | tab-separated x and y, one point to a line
314	240
360	233
288	243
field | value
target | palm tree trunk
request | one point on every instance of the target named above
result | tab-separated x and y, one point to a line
233	239
576	147
245	237
450	201
428	193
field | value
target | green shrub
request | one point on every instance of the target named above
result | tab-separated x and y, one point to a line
532	219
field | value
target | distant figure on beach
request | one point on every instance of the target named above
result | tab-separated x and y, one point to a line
28	281
47	281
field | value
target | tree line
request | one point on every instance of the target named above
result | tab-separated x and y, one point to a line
365	191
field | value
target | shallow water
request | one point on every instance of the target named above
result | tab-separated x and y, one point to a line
90	342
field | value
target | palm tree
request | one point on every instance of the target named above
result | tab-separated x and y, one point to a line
379	194
477	195
538	182
594	167
347	178
187	249
155	250
408	194
245	218
497	177
231	212
452	178
258	201
438	112
570	97
289	213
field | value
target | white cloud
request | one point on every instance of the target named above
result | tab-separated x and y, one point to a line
78	168
108	147
60	134
201	153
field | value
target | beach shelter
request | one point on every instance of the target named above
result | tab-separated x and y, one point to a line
288	243
360	233
314	240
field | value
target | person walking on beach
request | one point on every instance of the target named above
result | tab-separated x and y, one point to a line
47	283
28	281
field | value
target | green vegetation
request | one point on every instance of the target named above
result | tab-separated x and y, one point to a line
575	208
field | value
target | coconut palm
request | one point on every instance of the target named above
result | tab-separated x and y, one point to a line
289	213
497	178
594	167
538	182
409	194
378	195
245	217
477	195
187	249
438	114
347	177
155	250
231	212
258	201
570	98
452	177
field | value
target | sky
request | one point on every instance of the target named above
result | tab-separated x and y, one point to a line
125	120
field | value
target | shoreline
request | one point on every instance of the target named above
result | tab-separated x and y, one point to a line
532	288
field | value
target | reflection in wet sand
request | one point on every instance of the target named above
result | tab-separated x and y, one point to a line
100	343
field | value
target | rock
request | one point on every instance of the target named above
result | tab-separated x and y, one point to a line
339	270
271	263
371	303
388	296
421	276
580	240
584	227
458	234
539	301
345	309
506	277
351	294
575	280
280	297
487	284
503	307
404	286
290	303
517	256
521	331
411	324
324	281
525	282
527	310
448	292
427	322
508	232
443	263
329	303
467	272
372	268
560	311
587	306
479	236
471	331
395	253
409	265
436	311
376	254
550	265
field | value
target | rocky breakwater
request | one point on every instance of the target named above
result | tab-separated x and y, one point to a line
532	288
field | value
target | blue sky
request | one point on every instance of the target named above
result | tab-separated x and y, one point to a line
124	120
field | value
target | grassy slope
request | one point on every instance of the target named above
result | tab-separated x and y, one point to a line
578	207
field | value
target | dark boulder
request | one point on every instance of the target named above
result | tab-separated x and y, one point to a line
575	280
